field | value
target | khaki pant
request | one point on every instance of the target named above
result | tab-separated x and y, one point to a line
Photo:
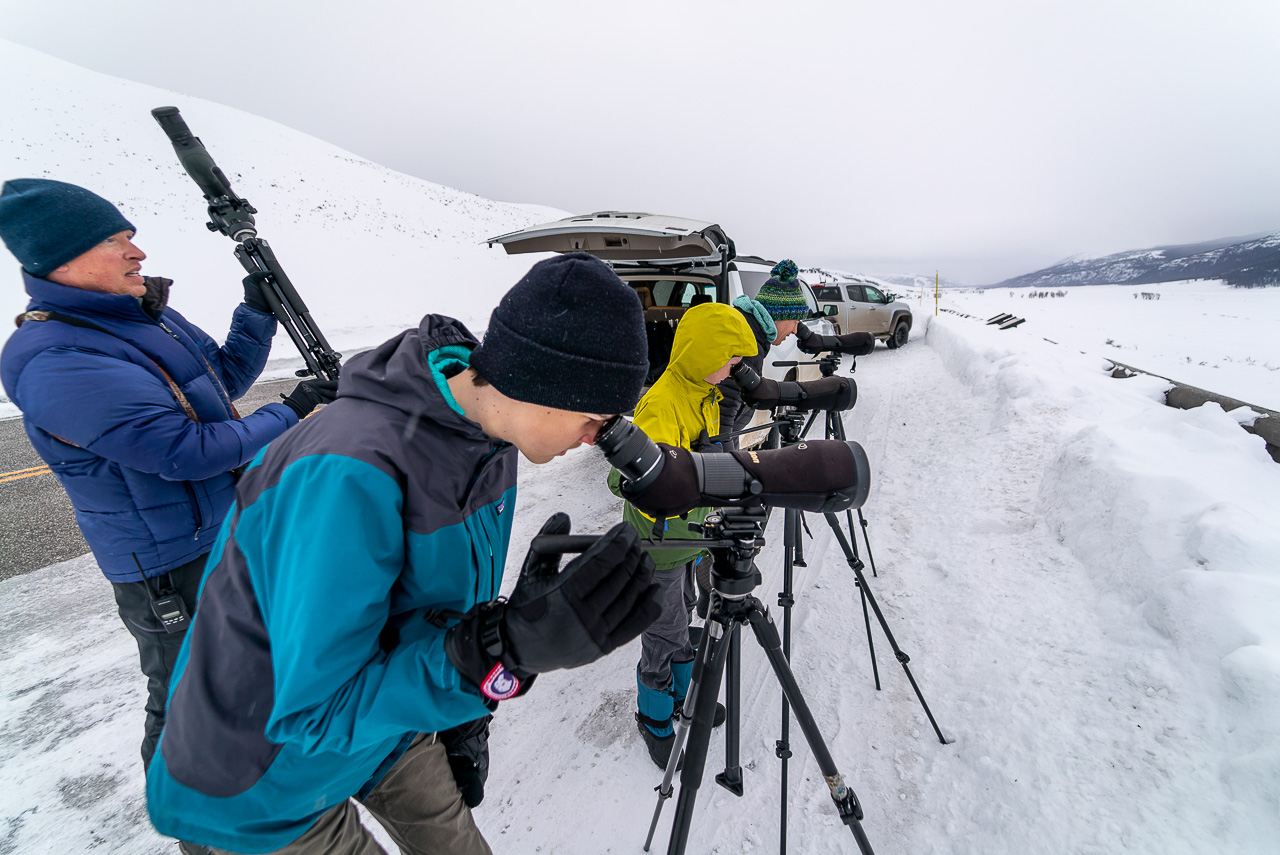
418	804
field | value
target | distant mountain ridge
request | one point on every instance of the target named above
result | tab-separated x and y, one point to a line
1248	262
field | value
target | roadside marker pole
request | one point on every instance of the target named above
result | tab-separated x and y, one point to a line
935	293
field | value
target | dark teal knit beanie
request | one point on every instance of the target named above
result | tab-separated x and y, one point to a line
47	223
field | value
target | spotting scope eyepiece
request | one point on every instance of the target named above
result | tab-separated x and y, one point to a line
818	476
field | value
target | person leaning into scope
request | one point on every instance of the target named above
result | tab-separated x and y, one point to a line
773	316
349	644
130	405
680	406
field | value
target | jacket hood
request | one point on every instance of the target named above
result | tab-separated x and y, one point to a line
708	336
397	373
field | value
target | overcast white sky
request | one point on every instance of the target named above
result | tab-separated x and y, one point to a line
983	138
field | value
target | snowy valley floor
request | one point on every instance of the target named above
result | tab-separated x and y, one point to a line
1086	583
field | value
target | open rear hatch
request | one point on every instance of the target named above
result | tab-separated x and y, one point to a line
622	236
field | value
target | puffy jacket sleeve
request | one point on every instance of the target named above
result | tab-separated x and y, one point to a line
238	362
124	413
324	548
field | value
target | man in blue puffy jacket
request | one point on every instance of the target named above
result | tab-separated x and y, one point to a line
130	405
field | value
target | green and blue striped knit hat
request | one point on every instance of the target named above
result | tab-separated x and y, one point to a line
781	295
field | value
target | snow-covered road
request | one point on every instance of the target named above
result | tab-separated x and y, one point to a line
1085	582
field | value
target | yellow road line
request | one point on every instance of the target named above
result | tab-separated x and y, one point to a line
39	468
23	473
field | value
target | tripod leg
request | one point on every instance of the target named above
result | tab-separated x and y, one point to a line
731	777
846	801
702	699
902	657
871	644
665	789
786	599
870	558
850	548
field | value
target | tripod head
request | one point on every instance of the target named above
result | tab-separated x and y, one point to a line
739	533
827	365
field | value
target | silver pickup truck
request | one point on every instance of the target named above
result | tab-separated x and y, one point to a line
862	307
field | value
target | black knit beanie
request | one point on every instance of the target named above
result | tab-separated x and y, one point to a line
570	335
47	223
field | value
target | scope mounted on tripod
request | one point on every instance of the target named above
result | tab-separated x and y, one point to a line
232	215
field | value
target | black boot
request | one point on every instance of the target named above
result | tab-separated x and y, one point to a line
659	746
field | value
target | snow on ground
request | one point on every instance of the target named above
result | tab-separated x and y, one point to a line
1202	333
1085	581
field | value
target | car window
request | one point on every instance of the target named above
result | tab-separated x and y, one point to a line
662	292
855	293
809	297
698	292
752	281
874	295
827	293
674	293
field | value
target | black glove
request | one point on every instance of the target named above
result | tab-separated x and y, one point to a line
253	296
704	445
309	394
467	747
601	600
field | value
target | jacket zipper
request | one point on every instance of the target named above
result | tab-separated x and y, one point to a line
488	536
195	508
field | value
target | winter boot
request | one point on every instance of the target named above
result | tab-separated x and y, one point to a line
654	719
187	848
681	672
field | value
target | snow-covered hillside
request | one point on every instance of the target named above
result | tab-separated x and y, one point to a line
370	250
831	276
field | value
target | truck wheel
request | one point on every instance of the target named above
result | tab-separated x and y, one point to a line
899	337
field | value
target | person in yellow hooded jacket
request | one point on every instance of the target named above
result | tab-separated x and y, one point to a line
683	403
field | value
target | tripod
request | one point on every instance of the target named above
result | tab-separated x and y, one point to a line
835	430
786	430
734	537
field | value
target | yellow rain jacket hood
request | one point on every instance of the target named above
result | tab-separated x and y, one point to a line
682	404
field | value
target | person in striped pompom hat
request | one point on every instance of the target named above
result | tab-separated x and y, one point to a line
781	295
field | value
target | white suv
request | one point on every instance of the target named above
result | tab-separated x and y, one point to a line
672	263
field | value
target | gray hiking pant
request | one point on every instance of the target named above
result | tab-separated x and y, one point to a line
417	802
667	639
